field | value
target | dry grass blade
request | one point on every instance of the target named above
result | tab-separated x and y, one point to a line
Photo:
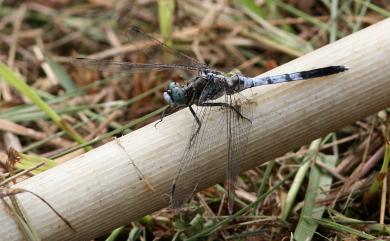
6	192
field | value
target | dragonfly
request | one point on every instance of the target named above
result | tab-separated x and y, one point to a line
207	91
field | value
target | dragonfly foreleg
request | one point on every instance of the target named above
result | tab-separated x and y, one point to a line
161	117
166	112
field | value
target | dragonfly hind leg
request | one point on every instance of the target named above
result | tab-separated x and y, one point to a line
221	104
197	121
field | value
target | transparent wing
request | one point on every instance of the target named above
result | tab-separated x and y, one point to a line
151	46
233	130
237	116
190	170
238	127
125	67
149	54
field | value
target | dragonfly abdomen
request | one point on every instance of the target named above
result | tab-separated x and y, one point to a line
276	79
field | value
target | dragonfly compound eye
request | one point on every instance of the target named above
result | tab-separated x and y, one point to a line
171	85
174	95
178	96
168	98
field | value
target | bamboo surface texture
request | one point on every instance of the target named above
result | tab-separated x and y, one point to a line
101	190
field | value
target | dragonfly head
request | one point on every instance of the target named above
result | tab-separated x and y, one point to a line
174	95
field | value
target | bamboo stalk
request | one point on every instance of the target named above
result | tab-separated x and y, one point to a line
101	190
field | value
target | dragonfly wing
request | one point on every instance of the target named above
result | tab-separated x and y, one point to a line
151	46
149	54
189	173
233	125
192	168
125	67
238	127
236	123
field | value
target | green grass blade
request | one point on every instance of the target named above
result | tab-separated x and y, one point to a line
111	133
166	9
306	17
333	20
30	161
378	182
23	222
207	231
253	7
114	234
64	79
375	8
14	80
294	189
339	228
319	184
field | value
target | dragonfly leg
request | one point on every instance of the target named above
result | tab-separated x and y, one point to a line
225	105
197	121
165	113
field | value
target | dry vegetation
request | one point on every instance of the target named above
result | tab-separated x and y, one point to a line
65	109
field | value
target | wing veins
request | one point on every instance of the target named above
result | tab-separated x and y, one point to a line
117	66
